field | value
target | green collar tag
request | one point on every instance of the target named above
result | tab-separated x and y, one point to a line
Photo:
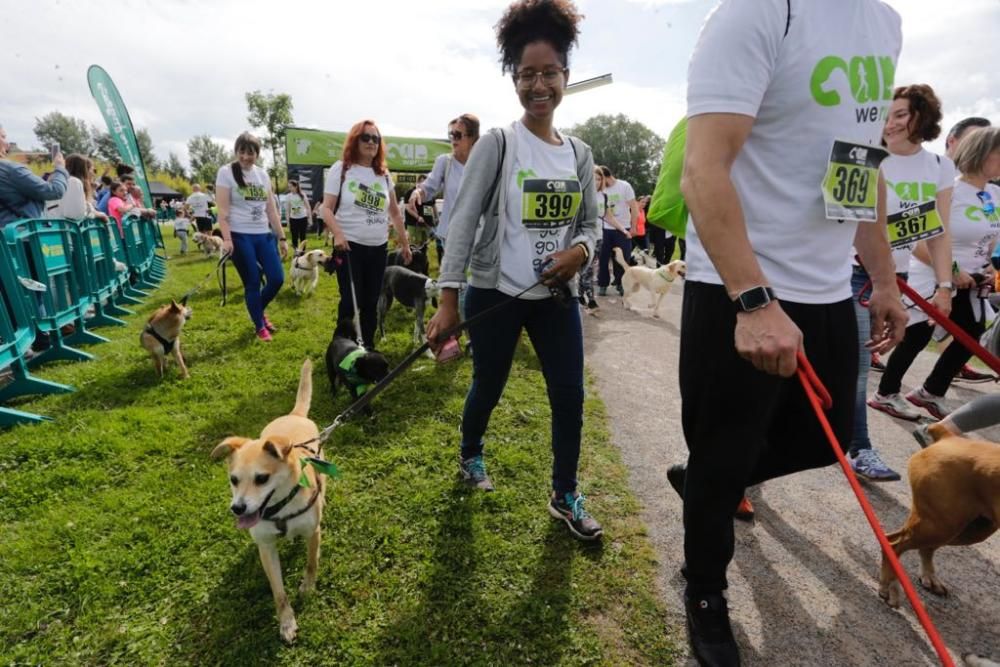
321	466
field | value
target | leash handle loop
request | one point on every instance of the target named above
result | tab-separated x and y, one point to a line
819	398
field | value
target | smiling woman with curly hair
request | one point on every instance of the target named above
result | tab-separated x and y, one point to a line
526	215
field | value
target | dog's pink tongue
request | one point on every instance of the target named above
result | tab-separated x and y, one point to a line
248	520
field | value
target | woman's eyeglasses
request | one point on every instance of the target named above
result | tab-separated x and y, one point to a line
456	135
366	138
989	208
549	77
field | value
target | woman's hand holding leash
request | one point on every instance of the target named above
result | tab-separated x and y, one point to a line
227	246
769	339
445	319
564	264
283	247
888	317
406	252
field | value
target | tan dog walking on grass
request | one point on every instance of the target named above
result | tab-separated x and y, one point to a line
277	494
162	336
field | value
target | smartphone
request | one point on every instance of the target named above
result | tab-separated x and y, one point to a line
54	150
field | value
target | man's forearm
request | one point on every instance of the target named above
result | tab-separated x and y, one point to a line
718	218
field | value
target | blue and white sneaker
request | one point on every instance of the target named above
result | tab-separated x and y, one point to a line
473	471
868	464
569	509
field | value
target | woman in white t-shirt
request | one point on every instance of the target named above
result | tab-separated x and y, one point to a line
526	211
77	202
914	177
249	222
358	203
974	228
298	213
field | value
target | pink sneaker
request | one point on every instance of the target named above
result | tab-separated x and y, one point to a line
269	325
264	334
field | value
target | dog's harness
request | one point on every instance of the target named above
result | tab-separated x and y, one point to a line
168	345
281	523
349	365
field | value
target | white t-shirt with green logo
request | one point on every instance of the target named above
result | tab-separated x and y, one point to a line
363	212
198	202
543	198
973	234
247	204
619	196
296	206
831	77
912	180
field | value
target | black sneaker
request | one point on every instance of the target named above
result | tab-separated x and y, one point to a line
676	474
592	304
709	632
569	509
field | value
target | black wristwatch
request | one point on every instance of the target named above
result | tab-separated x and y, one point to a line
753	299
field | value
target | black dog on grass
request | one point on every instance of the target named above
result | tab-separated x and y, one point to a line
419	263
352	365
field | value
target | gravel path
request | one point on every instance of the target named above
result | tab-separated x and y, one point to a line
803	580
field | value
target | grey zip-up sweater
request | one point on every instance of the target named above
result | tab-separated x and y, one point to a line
476	230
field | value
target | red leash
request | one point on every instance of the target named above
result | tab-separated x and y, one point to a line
970	343
820	400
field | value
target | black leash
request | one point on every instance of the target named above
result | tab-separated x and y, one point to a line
380	386
201	283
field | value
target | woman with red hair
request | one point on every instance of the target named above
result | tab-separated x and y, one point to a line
358	203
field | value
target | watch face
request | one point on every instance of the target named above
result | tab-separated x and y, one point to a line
752	299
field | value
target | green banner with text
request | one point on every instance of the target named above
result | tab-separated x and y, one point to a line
119	125
322	148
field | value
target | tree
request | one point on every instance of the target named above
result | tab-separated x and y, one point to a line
206	158
628	148
70	133
145	143
174	167
274	114
104	145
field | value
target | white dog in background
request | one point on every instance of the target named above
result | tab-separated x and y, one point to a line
657	281
305	270
644	258
209	244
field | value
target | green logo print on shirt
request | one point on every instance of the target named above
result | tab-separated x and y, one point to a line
870	79
253	192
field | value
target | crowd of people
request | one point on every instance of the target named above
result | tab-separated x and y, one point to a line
789	256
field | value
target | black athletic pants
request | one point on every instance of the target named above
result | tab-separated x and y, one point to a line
744	426
298	228
951	360
367	267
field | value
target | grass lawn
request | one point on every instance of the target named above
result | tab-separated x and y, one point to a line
117	546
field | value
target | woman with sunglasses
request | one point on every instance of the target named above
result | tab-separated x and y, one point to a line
358	203
974	228
446	175
249	222
526	212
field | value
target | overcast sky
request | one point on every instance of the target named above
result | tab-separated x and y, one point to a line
183	67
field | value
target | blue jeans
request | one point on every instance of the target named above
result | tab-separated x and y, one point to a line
249	251
859	436
612	238
557	336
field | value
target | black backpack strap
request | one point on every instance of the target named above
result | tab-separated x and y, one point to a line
502	142
788	21
340	189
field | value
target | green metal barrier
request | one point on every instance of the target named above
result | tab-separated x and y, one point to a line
44	250
102	277
139	254
17	332
128	292
153	235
